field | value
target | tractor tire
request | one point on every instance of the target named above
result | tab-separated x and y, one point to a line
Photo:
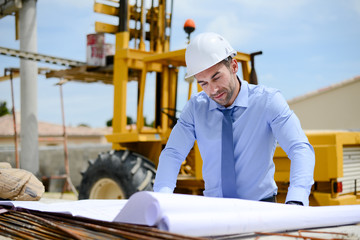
117	175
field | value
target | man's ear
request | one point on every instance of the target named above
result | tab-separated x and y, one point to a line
234	66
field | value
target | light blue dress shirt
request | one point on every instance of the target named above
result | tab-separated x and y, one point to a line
261	118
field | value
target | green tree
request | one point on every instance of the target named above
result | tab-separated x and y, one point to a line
109	123
3	109
129	120
152	124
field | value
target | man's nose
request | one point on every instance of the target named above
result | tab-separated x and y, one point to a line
213	88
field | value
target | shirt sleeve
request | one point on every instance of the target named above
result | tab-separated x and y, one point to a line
292	139
178	146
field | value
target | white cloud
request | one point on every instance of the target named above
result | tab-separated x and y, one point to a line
275	8
267	78
72	4
196	9
230	26
356	6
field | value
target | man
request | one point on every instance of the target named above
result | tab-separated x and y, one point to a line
260	118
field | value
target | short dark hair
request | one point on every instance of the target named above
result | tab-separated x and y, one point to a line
227	62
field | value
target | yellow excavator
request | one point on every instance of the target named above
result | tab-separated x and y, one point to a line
142	47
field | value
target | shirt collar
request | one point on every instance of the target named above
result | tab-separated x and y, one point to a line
242	99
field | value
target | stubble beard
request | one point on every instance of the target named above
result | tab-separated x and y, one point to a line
229	92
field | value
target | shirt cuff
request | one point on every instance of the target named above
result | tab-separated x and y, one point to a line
165	190
298	194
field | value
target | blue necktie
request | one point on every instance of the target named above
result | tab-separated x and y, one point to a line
227	157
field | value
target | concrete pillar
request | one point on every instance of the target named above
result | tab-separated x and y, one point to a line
29	155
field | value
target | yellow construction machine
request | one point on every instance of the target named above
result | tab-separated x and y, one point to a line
142	47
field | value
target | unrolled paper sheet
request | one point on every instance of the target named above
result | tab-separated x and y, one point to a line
205	216
104	210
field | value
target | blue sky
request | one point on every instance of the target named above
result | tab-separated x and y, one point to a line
306	44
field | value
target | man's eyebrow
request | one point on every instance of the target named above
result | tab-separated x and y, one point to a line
213	76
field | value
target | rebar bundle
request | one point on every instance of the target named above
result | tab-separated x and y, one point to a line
38	225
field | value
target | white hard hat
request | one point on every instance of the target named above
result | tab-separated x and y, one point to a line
206	50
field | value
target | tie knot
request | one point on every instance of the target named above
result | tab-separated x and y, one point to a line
227	112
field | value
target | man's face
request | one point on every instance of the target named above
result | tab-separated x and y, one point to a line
220	83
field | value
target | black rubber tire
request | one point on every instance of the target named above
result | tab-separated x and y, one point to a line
131	171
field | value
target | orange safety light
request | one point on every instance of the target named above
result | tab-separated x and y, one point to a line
338	187
189	27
